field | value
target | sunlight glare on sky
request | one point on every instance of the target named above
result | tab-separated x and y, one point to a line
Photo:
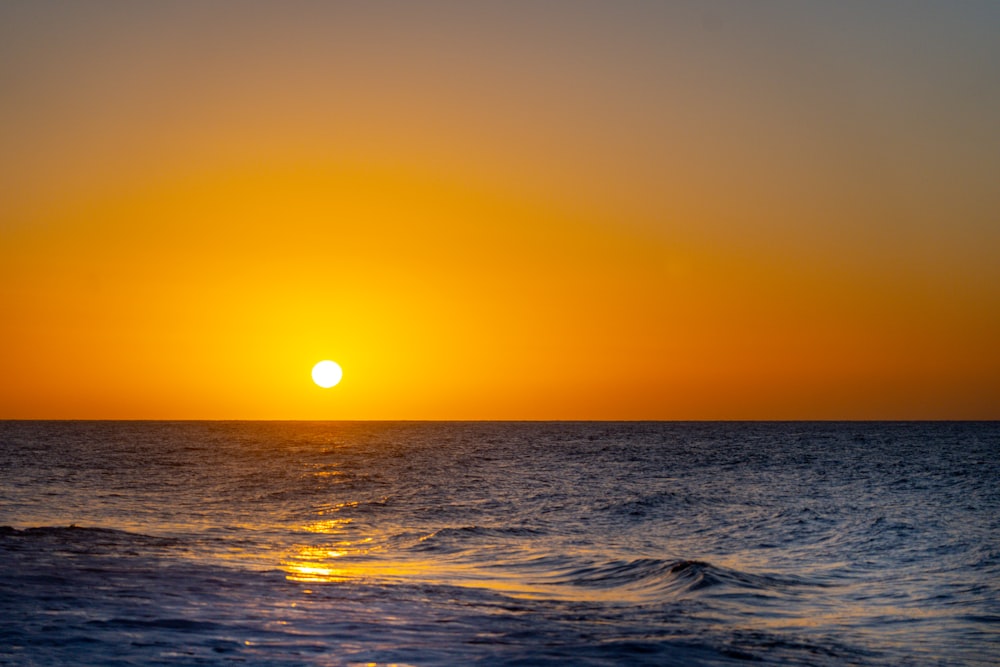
559	210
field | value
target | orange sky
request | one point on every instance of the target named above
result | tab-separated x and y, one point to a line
560	210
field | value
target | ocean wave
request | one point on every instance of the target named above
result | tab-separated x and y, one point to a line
644	505
454	538
181	624
80	539
674	578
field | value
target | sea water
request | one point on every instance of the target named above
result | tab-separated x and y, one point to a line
293	543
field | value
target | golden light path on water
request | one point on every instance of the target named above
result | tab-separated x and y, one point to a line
366	561
363	560
315	566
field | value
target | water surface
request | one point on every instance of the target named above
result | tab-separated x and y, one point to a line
292	543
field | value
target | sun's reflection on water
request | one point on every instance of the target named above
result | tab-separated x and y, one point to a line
367	563
326	526
304	573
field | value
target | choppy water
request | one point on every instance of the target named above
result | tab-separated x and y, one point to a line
160	543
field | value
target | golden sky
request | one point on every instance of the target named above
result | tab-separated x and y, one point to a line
509	210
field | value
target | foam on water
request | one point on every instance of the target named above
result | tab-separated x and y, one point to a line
440	544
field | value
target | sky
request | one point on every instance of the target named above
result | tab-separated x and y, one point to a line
500	210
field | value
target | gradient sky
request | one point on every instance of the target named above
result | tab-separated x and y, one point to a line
552	210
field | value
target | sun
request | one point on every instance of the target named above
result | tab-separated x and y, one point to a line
327	374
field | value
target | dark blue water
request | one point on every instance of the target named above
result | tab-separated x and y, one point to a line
210	543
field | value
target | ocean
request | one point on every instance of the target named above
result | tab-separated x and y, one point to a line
499	543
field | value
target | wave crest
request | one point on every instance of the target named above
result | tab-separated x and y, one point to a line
654	577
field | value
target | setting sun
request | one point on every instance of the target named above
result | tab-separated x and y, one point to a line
327	374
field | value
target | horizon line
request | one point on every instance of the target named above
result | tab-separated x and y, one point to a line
510	421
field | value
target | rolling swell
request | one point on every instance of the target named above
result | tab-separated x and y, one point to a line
78	539
674	579
449	538
525	559
649	579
